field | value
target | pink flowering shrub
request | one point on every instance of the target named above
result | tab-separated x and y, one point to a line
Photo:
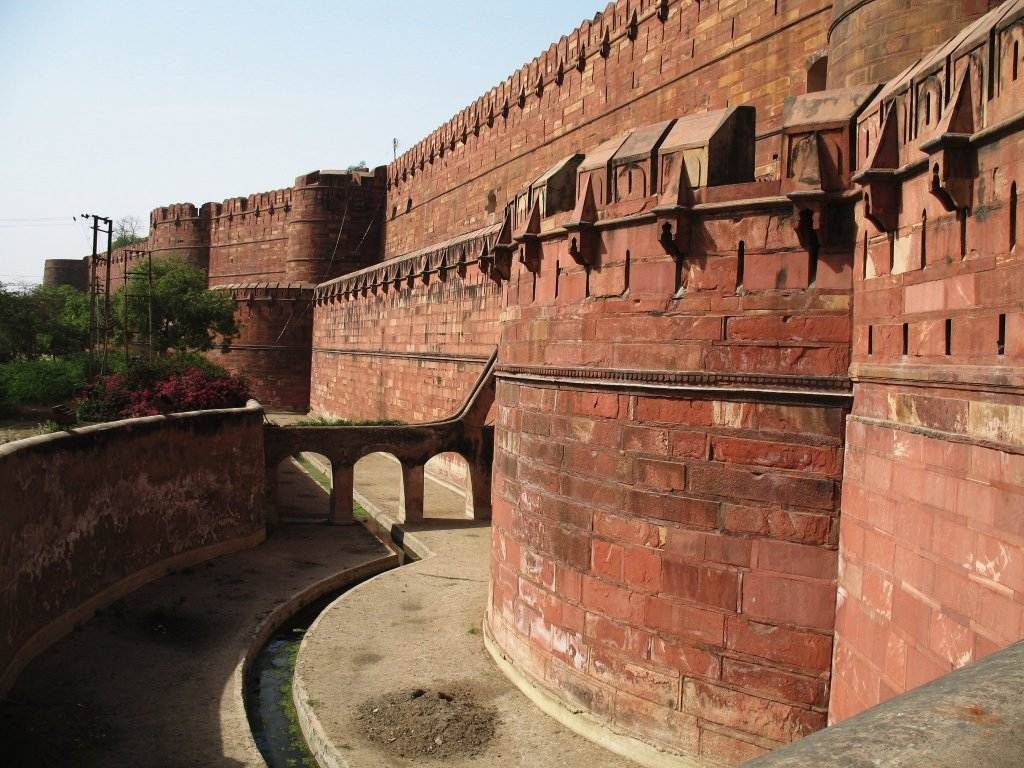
189	390
148	390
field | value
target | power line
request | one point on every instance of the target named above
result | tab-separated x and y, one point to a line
38	218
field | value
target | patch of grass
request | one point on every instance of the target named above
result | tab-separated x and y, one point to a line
323	421
314	472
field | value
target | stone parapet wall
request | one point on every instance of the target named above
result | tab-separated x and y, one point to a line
637	62
92	514
406	339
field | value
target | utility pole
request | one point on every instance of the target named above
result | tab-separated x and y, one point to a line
94	287
106	300
129	254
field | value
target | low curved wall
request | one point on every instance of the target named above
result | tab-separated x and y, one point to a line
92	514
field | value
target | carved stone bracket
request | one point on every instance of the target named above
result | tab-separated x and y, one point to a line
879	179
500	262
951	157
528	239
584	239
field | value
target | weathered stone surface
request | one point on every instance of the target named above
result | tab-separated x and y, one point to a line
92	514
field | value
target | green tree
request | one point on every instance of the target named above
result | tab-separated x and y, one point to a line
62	315
127	231
186	316
44	320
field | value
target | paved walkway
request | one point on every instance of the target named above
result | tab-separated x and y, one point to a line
155	679
420	627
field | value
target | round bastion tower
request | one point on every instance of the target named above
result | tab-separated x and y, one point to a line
872	41
335	224
183	231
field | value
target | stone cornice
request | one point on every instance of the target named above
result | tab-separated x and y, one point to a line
429	356
836	390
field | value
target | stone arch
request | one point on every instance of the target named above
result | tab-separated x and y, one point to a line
455	486
383	480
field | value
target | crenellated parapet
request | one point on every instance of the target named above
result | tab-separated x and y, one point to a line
636	63
336	223
182	231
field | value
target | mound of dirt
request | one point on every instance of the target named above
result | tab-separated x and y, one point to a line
422	723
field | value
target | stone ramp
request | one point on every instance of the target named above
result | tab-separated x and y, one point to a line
419	626
155	679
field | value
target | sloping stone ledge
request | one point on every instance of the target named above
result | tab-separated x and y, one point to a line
973	716
91	514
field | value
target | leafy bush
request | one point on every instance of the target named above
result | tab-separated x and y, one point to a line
165	385
41	381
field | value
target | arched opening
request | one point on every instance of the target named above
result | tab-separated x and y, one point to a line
377	480
304	489
448	487
817	75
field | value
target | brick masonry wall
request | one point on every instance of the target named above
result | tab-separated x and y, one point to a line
248	238
411	354
933	499
272	351
271	244
859	54
704	56
668	564
667	561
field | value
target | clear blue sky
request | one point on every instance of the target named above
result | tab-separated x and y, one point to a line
117	107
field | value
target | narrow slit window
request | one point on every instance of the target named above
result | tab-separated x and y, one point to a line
741	258
906	339
871	340
1013	215
1001	341
949	336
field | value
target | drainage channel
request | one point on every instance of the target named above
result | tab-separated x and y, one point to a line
268	688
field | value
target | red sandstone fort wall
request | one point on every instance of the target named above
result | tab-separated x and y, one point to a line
933	504
703	55
409	350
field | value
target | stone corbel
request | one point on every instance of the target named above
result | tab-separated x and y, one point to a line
673	213
584	239
878	179
809	223
951	158
528	238
501	254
